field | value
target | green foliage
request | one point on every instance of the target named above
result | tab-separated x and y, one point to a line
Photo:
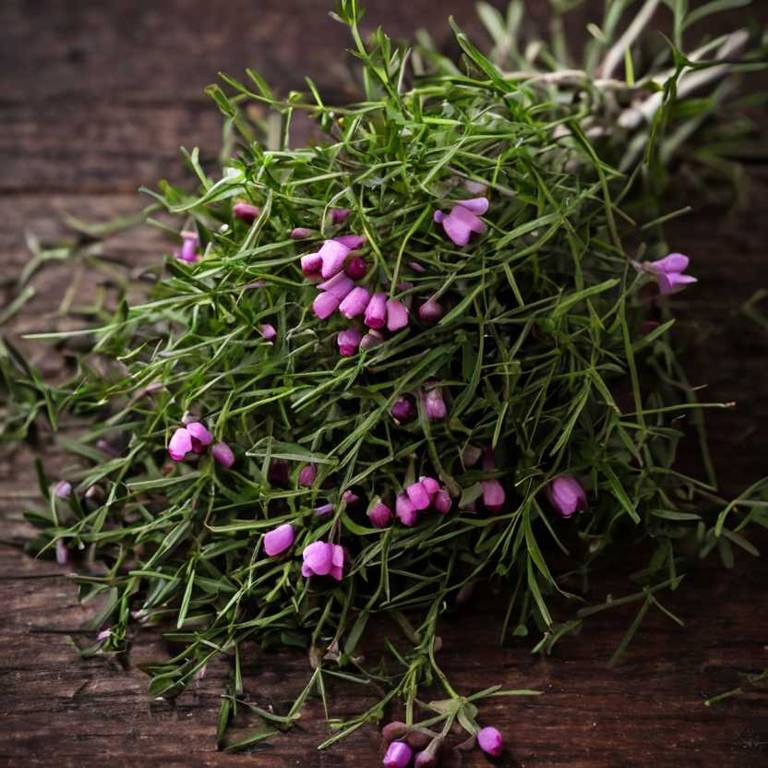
541	355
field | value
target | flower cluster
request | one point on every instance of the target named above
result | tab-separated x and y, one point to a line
194	438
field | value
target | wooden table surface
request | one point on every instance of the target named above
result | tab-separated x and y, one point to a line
96	98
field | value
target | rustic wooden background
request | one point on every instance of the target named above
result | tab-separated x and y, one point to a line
96	98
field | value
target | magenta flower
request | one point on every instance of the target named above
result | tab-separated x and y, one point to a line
311	264
318	559
268	332
324	509
349	342
403	410
463	220
338	558
245	211
397	315
418	496
279	539
566	495
325	304
62	489
180	444
339	285
376	311
339	215
431	486
434	405
398	755
669	272
356	268
406	513
442	502
307	475
350	497
333	255
493	495
352	242
201	437
322	559
490	741
430	311
223	455
379	514
355	302
189	246
299	233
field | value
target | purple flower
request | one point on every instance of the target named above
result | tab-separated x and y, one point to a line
442	502
318	559
201	437
268	332
350	241
430	311
434	405
180	444
307	475
490	741
669	272
418	496
405	511
189	246
566	495
337	567
245	211
325	304
416	267
223	455
62	489
339	285
431	486
339	215
348	341
356	268
493	495
379	514
299	233
279	539
397	315
333	255
354	303
311	264
398	755
324	509
350	497
463	220
376	311
403	409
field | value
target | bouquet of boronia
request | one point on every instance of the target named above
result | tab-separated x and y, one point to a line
430	349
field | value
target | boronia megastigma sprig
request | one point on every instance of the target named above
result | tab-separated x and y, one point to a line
431	348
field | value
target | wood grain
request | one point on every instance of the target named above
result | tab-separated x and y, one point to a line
96	98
